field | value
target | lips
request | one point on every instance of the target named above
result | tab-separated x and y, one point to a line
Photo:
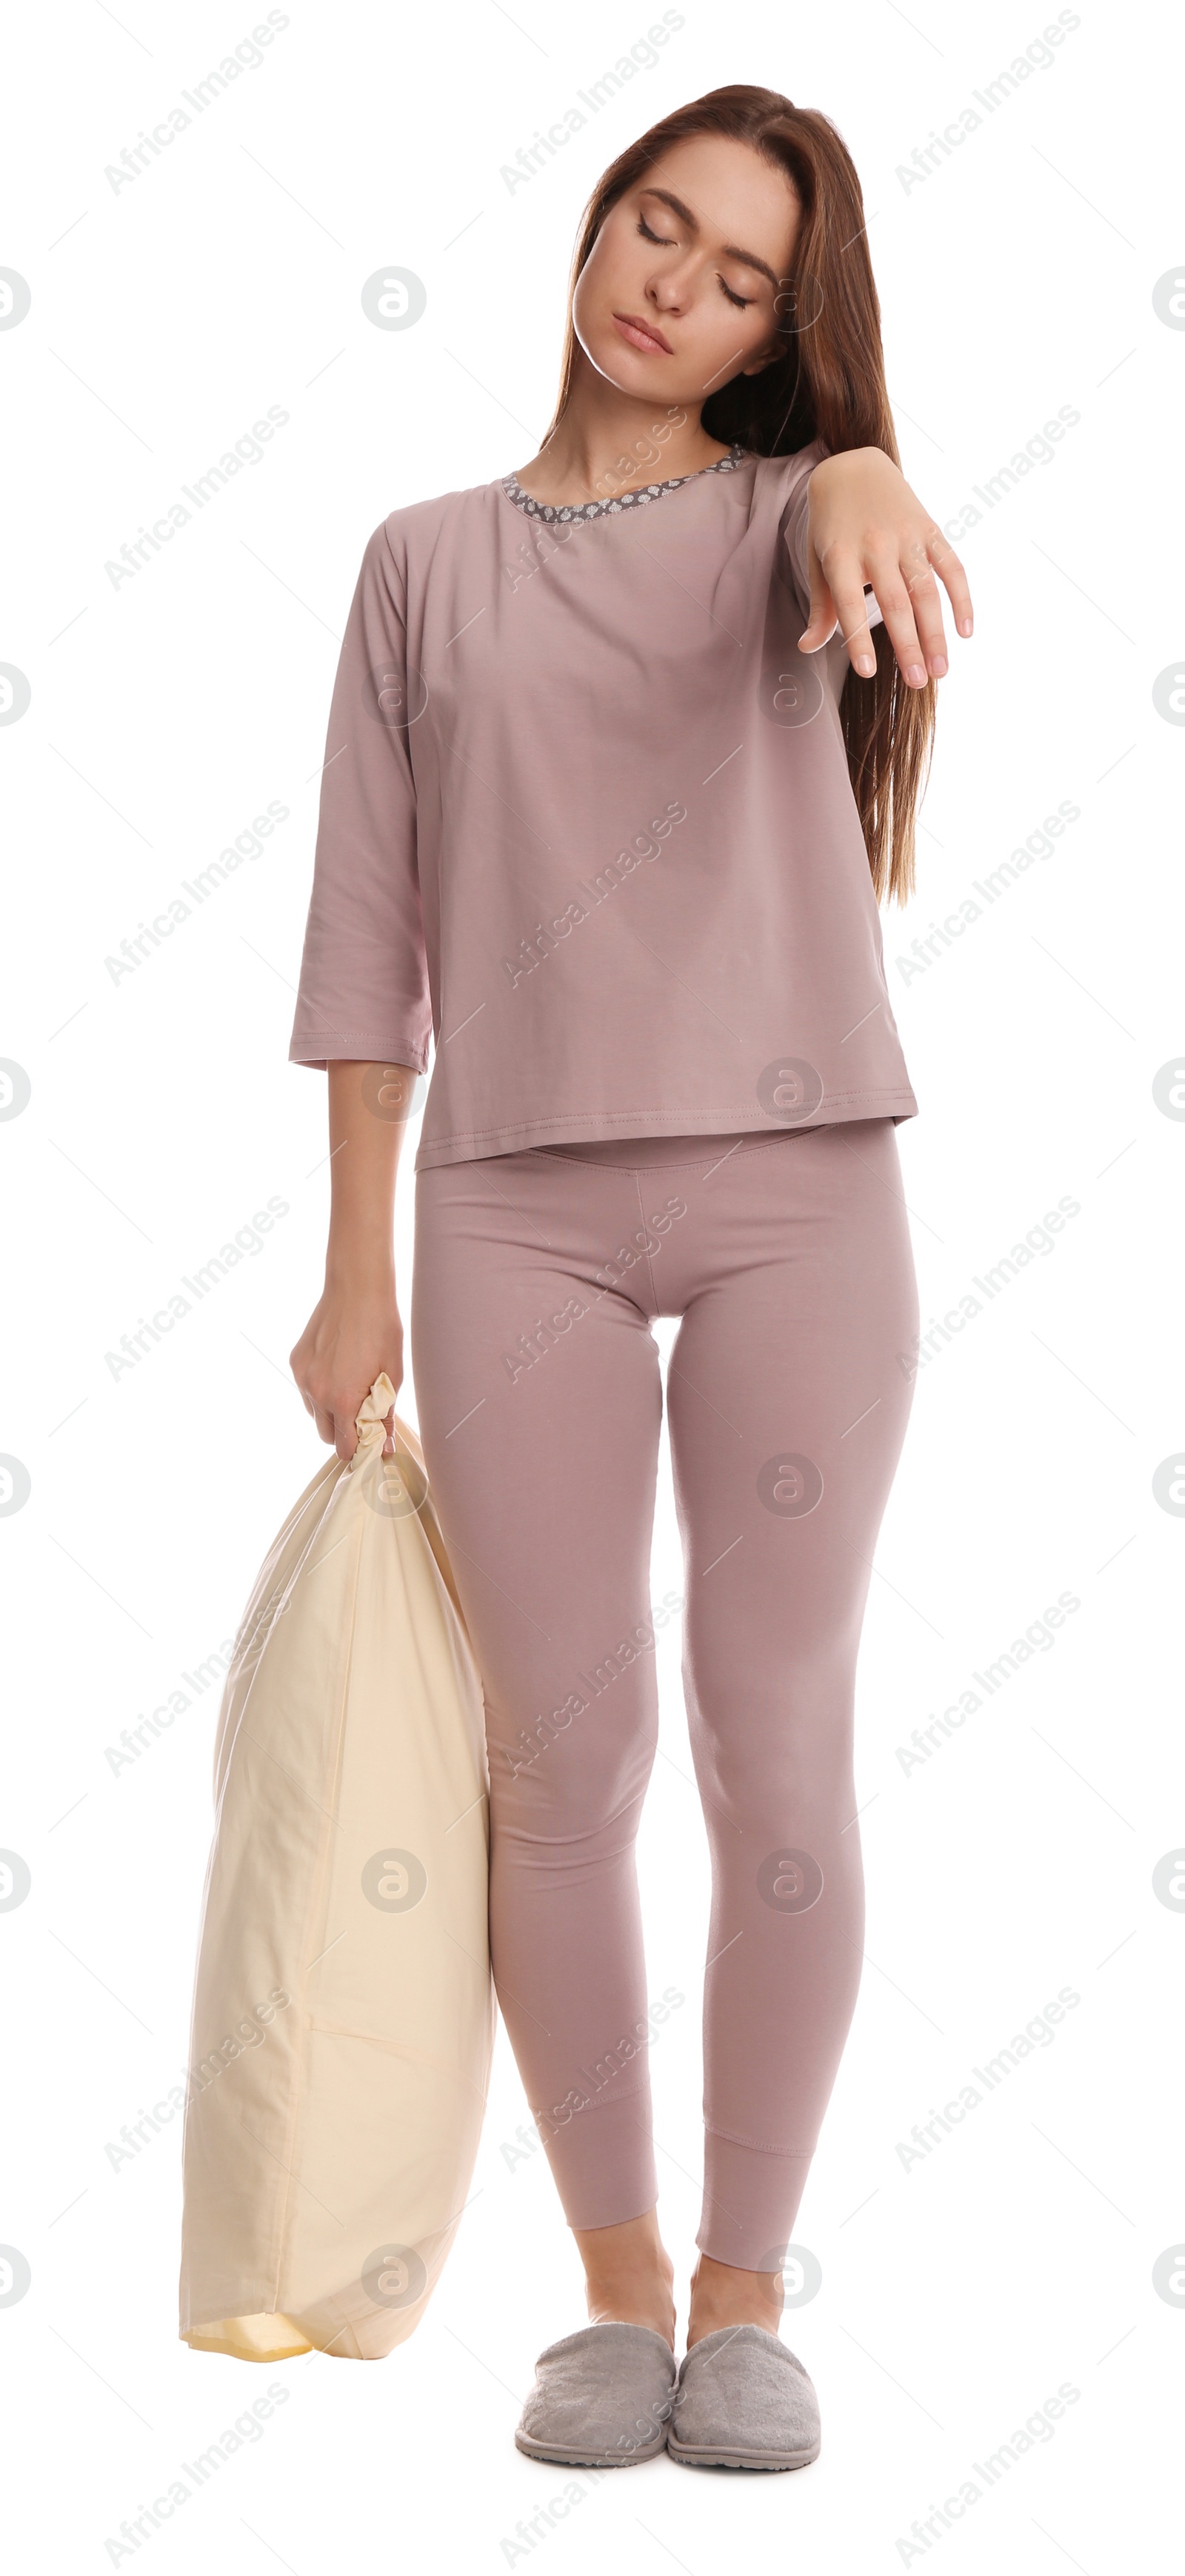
642	335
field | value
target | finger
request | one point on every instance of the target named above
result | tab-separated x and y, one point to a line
323	1420
949	569
821	622
852	610
893	600
927	606
345	1434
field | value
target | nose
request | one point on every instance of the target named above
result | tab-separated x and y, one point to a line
670	291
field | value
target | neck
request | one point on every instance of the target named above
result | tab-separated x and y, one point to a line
609	442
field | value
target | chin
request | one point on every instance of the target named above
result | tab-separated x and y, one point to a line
629	370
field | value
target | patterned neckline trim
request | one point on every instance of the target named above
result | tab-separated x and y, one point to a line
571	510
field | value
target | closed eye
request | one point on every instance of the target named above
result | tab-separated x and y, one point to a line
741	301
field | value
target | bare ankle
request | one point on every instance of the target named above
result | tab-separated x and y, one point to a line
629	2275
722	2294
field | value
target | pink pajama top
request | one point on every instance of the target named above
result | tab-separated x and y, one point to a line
587	833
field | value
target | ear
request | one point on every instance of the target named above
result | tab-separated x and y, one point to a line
766	357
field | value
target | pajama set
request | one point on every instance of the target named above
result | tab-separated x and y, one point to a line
587	828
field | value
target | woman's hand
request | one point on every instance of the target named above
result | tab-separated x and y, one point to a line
355	1331
865	525
350	1337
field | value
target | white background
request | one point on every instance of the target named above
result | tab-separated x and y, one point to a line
958	2292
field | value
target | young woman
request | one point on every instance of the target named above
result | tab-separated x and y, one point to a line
617	773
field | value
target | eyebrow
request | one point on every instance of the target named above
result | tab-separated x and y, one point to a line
748	258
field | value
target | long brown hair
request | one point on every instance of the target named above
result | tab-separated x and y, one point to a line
828	384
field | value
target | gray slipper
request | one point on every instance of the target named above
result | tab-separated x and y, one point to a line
601	2398
744	2401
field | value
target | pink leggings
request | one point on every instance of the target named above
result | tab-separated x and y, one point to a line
539	1397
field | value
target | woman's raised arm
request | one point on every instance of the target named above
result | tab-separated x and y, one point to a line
866	525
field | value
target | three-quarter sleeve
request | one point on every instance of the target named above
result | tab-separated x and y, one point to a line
364	990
